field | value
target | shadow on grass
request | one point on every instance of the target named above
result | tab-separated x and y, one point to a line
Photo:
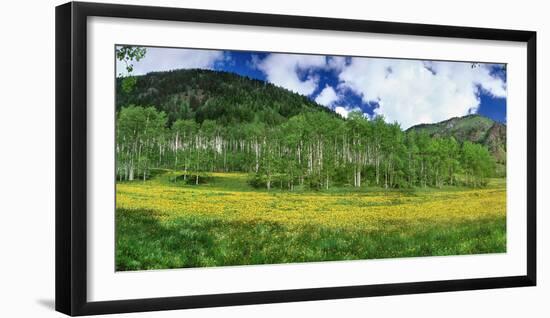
144	242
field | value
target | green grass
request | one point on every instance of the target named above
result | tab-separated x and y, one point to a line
195	242
165	224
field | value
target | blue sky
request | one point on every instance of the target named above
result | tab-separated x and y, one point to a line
407	91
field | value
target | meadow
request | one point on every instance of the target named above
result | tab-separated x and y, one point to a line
165	222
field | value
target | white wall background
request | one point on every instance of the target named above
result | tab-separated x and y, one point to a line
27	158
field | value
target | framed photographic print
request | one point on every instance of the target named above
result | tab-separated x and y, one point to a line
209	158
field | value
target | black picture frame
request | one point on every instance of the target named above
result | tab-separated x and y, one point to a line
71	157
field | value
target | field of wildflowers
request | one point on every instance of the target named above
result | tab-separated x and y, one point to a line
162	223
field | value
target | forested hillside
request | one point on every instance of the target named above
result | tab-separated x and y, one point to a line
473	128
199	122
225	97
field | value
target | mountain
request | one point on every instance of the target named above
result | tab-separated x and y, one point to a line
229	98
474	128
222	96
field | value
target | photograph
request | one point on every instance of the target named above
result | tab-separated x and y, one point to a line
231	157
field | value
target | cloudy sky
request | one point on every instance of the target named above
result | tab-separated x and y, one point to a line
407	91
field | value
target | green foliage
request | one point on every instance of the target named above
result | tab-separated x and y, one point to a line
128	84
225	97
158	238
145	243
473	128
200	125
313	149
206	121
128	54
478	164
139	131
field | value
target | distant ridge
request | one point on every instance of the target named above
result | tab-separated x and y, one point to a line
230	98
222	96
474	128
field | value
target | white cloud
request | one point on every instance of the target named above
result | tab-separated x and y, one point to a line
412	92
327	97
407	91
283	70
254	61
344	111
166	59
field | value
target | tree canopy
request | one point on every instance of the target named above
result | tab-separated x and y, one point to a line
312	149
